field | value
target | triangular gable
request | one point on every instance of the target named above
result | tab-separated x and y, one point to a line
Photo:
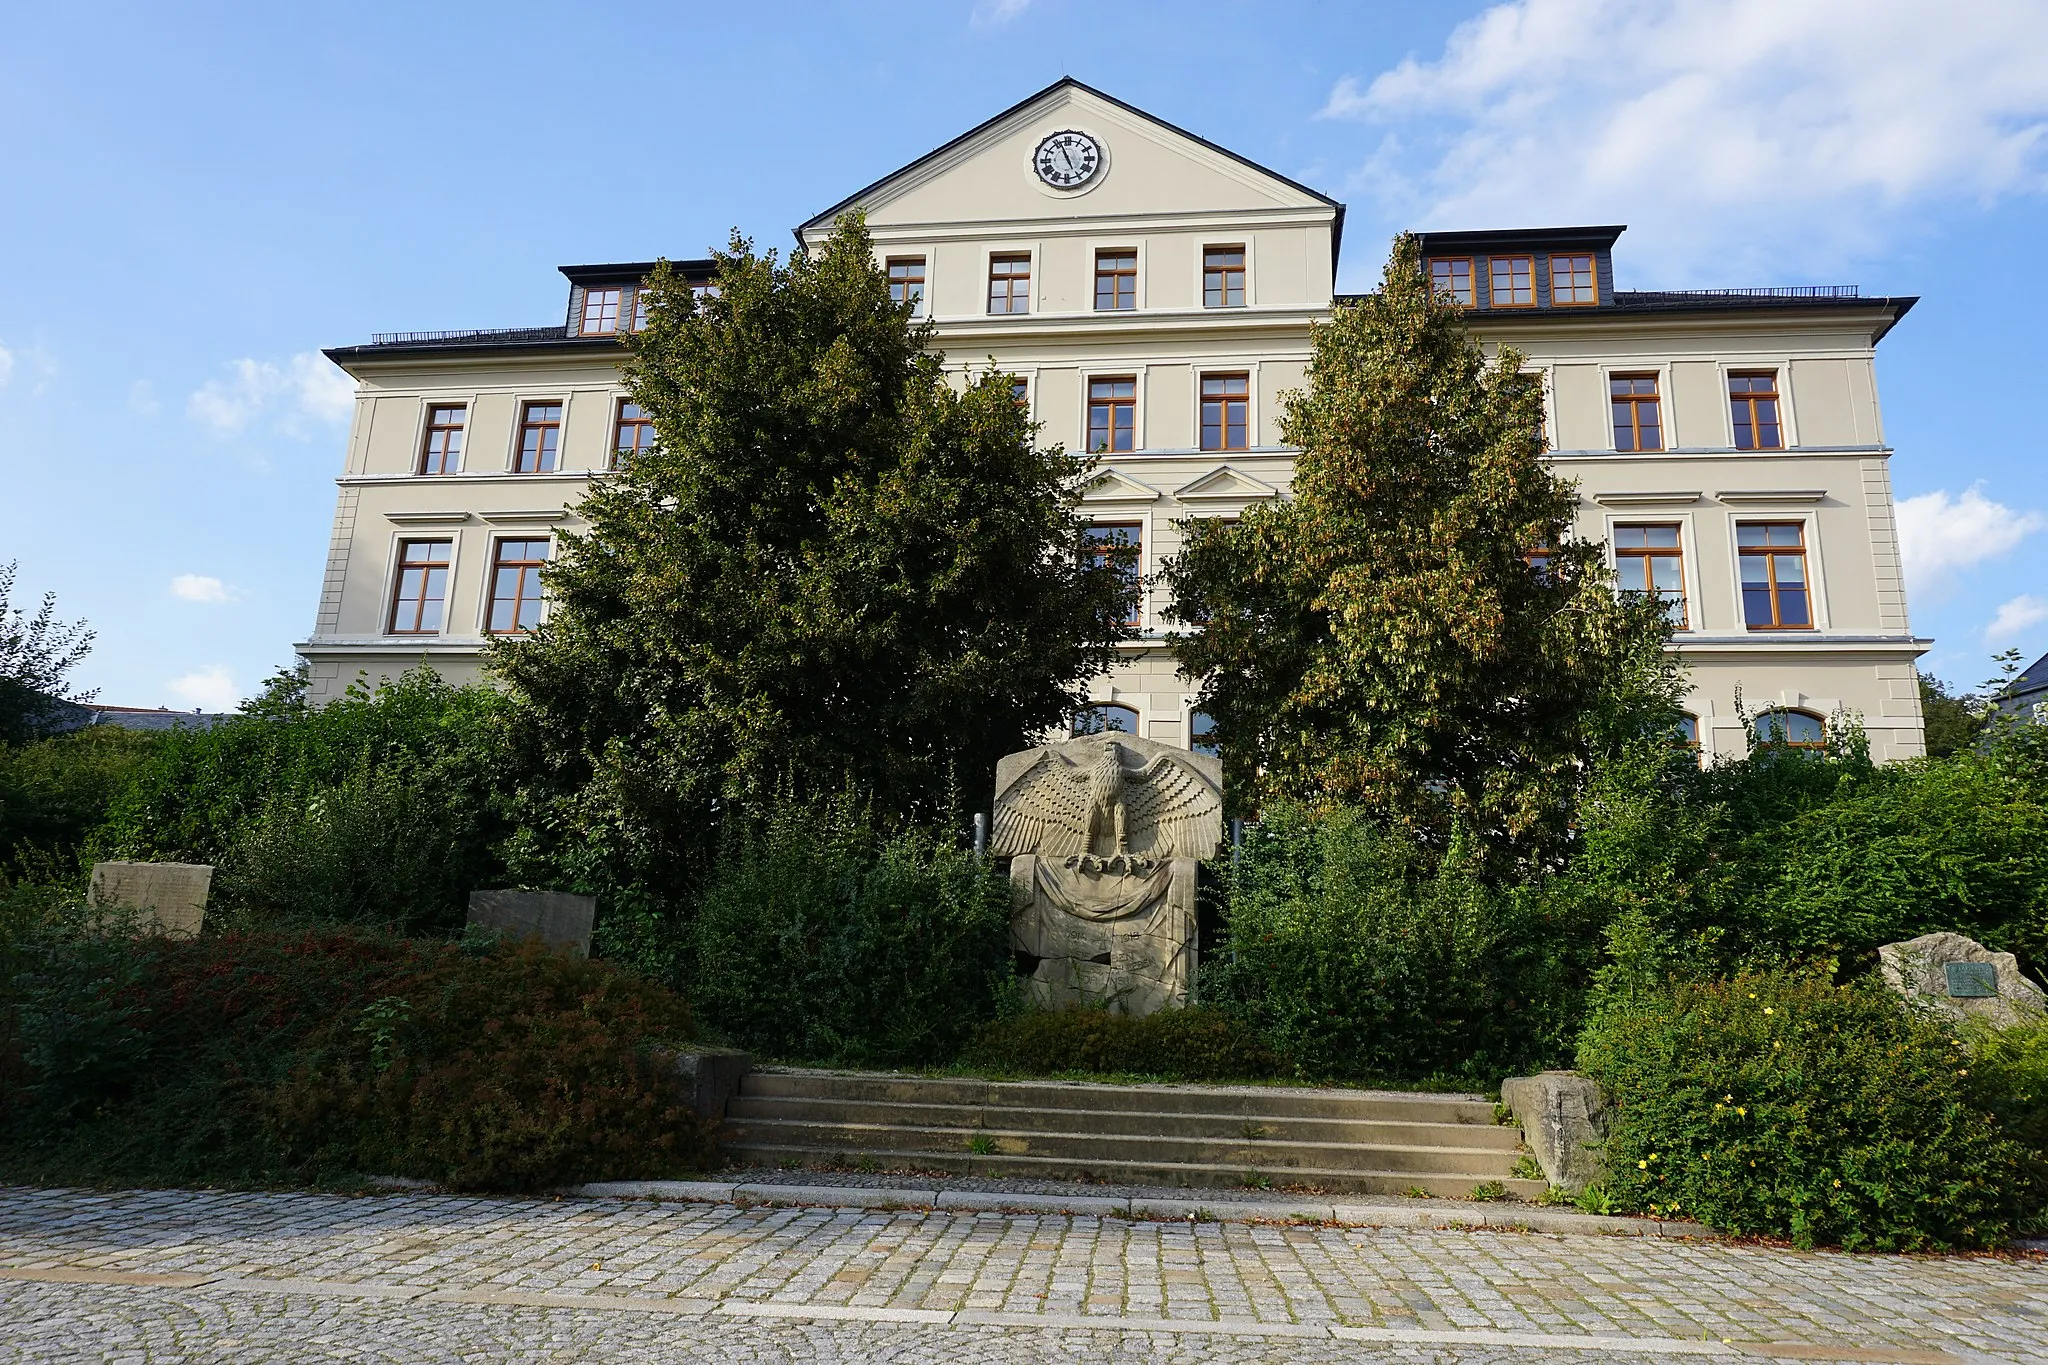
1110	486
1225	483
1242	180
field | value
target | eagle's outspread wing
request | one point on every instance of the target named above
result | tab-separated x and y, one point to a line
1044	811
1182	808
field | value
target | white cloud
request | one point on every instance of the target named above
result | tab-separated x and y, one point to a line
1940	536
2015	618
194	587
1730	134
305	386
6	366
990	13
209	688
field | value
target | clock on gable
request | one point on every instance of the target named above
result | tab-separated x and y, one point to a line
1067	160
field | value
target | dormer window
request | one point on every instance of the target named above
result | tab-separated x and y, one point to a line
1512	281
601	311
1452	276
1572	282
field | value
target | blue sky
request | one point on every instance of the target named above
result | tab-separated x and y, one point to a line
198	201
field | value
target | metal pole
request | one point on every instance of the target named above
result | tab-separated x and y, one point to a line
980	833
1236	841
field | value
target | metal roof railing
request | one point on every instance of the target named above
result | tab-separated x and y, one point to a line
1773	291
469	334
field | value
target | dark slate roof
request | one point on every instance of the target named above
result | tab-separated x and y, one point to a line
63	717
2032	683
1886	310
1067	83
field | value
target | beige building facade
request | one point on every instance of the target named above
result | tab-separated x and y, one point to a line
1153	295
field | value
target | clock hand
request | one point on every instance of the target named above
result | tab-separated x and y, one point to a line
1067	156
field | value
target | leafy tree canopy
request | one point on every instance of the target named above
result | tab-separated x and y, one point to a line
1413	630
37	654
835	568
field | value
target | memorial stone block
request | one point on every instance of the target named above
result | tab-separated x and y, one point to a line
1962	979
557	918
165	898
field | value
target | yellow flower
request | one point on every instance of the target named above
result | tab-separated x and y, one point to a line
1642	1165
1963	1072
1742	1111
1729	1098
1769	1010
1838	1184
1752	995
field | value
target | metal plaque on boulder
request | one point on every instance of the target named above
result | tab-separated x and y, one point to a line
1970	980
1105	833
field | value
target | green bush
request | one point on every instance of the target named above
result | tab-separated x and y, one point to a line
1176	1045
1781	1105
821	940
1356	953
286	1058
54	792
378	808
2009	1076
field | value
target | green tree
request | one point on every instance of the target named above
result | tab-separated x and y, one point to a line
1954	721
836	568
1413	630
37	653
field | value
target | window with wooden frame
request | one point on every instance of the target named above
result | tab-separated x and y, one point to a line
642	299
1009	284
540	438
419	595
906	282
1792	730
1538	557
515	586
1116	281
1113	413
1573	283
1638	416
1452	275
1685	734
1020	393
1753	399
1226	411
1119	546
1106	718
1223	277
1649	559
632	432
1511	282
1202	734
1775	595
441	452
601	310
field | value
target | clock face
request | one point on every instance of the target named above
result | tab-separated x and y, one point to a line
1067	161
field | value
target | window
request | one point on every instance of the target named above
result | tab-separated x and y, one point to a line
642	298
1648	559
1773	558
1009	284
540	438
1118	545
1513	281
515	586
1572	281
1116	281
1223	277
702	290
1792	730
1226	408
1453	277
1113	414
422	588
601	310
632	433
1537	557
906	281
1108	718
1754	398
1202	734
1020	393
1638	421
442	453
1686	733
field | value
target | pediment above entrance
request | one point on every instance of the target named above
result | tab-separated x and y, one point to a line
1224	484
1108	485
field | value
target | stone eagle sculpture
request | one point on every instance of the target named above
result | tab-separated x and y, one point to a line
1108	794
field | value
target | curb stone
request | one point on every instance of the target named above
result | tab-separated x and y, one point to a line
1515	1218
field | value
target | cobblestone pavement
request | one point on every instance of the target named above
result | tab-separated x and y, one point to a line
209	1276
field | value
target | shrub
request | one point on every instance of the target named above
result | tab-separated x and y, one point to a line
1178	1045
2009	1076
56	791
819	939
282	1058
1353	951
1779	1104
378	808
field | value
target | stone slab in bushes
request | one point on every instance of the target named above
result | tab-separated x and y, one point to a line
1564	1122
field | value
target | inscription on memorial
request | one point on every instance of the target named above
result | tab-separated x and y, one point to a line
1971	980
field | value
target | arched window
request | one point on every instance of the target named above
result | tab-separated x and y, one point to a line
1202	734
1792	730
1106	717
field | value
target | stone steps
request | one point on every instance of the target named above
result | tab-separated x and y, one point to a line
1359	1141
